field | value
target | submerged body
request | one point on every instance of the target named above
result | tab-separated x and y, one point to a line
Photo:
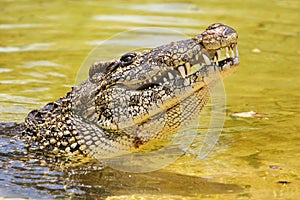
128	102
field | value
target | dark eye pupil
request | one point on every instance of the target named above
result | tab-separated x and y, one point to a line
128	58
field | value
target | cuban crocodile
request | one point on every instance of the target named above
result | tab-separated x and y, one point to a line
128	102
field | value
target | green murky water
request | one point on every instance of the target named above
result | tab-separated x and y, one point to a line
44	43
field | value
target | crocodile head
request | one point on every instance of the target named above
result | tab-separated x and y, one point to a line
143	95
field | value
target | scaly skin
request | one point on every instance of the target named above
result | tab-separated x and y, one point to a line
129	102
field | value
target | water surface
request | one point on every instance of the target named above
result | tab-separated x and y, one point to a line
44	43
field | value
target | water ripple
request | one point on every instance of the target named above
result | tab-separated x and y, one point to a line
4	70
30	47
14	26
183	8
158	20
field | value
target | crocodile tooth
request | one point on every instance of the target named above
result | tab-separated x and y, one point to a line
233	49
196	67
206	59
165	80
188	68
227	52
217	63
215	59
186	83
236	50
225	66
181	69
154	78
170	75
218	54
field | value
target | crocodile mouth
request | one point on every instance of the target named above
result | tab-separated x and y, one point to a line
222	59
215	59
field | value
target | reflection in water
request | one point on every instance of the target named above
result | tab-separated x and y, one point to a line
32	175
155	183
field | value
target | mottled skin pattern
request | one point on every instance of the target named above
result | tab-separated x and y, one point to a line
128	102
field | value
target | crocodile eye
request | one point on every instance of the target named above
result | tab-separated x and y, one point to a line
128	58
